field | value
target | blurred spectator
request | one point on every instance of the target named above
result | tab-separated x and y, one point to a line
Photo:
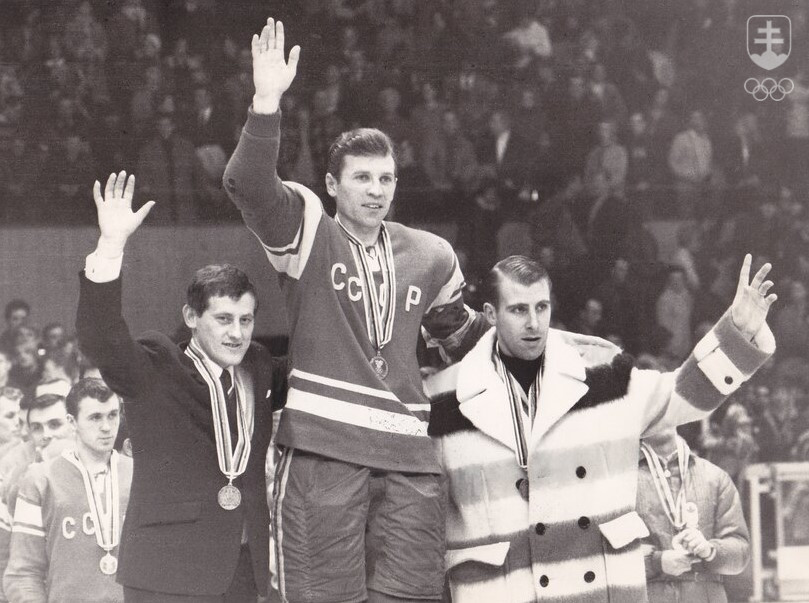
166	174
620	302
796	150
529	39
505	157
746	162
359	92
111	142
606	94
145	99
450	162
691	162
790	324
206	123
673	311
53	336
579	114
606	164
19	182
61	363
776	426
85	39
324	127
685	256
389	118
588	321
643	166
426	119
294	155
16	314
732	447
71	166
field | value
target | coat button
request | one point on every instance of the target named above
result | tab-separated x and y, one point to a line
540	528
543	581
581	472
584	522
729	380
589	576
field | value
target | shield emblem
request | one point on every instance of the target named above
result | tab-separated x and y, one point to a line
769	40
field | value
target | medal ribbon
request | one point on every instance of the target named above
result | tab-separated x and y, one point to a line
673	507
515	403
107	517
232	462
379	319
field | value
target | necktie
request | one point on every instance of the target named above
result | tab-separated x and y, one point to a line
230	403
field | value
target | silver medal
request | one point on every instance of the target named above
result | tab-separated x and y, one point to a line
108	564
229	497
380	366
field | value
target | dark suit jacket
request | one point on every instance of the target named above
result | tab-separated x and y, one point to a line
176	538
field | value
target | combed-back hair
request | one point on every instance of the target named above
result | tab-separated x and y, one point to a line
44	401
86	388
217	280
518	268
361	142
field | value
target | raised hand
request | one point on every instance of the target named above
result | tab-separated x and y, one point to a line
272	74
116	220
752	302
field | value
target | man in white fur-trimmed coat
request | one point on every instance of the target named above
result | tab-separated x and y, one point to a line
538	432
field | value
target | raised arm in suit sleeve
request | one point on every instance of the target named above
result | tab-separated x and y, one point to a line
105	339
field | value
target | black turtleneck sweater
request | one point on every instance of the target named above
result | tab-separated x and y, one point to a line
524	371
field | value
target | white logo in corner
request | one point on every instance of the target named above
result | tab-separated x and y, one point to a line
769	40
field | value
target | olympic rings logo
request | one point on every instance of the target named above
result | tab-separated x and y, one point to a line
769	88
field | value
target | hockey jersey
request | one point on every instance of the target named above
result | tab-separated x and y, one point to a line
54	555
337	406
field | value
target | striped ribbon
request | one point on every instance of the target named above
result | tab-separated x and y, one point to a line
379	314
518	416
232	461
106	517
673	506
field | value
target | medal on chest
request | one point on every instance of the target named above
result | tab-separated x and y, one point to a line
680	512
104	502
232	459
379	304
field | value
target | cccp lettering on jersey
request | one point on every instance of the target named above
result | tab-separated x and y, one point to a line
69	526
353	287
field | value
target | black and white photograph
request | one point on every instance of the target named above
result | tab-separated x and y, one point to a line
404	301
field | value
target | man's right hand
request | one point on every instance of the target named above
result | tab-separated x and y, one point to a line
272	74
116	220
675	562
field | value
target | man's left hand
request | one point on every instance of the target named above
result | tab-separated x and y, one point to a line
752	302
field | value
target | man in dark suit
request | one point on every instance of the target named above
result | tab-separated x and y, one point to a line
199	417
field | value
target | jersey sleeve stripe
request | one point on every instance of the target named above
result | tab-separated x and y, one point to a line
23	529
292	259
28	513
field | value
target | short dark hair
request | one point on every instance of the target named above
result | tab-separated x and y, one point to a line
361	142
40	402
217	280
16	304
518	268
86	388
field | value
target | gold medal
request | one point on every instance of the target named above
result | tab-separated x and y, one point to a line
380	366
108	564
229	497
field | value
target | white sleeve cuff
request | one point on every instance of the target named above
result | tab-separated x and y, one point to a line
102	270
